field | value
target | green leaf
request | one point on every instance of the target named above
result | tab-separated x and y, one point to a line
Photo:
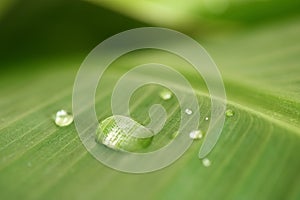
257	156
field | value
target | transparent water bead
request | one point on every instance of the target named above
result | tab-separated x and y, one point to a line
188	111
229	113
165	94
206	118
63	118
196	135
206	162
124	134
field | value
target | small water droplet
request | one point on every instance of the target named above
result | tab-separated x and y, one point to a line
123	133
29	164
206	162
196	134
188	111
206	118
63	118
229	113
165	94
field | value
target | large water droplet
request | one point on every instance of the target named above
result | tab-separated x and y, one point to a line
123	133
206	162
188	111
196	134
165	94
63	118
229	113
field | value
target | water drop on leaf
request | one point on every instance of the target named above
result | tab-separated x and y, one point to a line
197	134
123	133
206	162
63	118
165	94
188	111
229	113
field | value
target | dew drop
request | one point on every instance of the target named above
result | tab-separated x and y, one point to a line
123	133
206	162
29	164
206	118
188	111
229	113
196	134
63	118
165	94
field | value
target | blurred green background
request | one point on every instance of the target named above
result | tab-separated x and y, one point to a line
256	45
64	28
